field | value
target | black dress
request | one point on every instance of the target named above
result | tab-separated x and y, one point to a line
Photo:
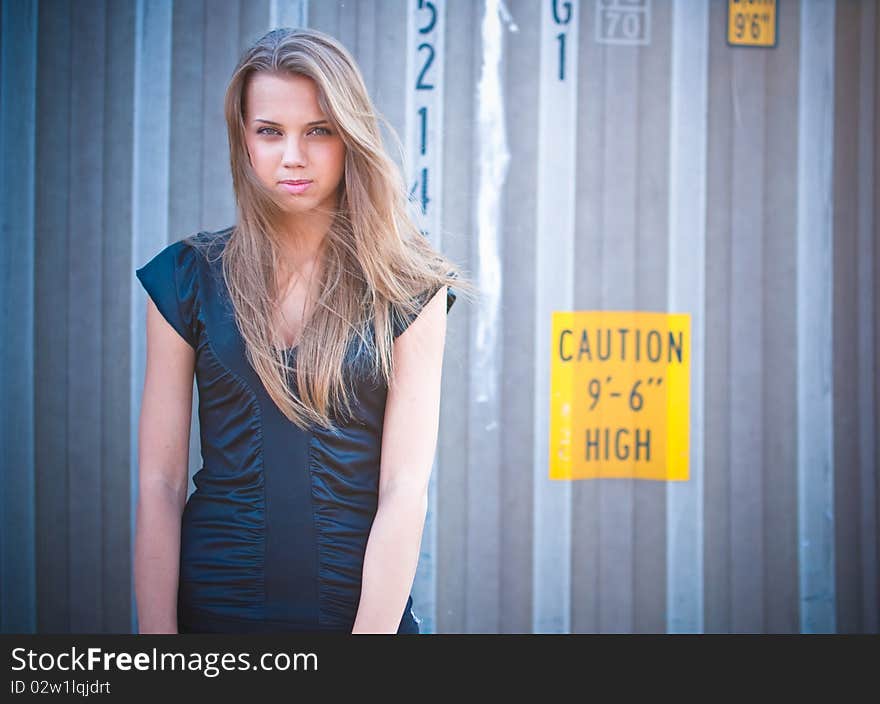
274	535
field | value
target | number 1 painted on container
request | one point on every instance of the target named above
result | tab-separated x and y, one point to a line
561	20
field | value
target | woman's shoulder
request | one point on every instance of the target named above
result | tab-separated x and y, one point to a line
401	319
173	280
192	250
196	255
205	244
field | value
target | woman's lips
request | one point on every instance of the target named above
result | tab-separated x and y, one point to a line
295	187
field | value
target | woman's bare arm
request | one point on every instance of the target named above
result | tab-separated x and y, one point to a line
409	441
163	452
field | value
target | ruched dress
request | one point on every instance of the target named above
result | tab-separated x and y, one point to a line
274	535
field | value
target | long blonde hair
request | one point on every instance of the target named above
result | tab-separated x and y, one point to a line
377	265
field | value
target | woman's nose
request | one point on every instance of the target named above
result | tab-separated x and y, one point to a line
294	154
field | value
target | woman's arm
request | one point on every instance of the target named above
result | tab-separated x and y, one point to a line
163	452
409	439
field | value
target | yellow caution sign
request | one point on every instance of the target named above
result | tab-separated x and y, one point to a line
751	22
620	395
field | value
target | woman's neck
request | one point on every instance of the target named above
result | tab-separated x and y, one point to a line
301	248
303	236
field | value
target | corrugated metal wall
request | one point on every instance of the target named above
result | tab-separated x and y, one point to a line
677	173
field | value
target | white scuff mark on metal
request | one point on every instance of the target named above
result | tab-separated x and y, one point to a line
506	17
493	160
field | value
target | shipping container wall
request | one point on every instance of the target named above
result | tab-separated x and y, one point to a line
598	155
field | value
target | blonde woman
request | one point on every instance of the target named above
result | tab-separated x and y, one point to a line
315	327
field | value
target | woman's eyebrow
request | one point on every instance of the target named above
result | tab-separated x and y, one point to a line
278	124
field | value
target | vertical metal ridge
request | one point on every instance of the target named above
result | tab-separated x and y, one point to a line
554	290
18	88
149	197
424	127
85	269
288	13
867	410
482	611
815	418
619	195
746	345
687	294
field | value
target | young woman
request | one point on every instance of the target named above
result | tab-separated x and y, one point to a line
315	327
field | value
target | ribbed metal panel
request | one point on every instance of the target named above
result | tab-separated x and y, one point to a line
18	80
677	174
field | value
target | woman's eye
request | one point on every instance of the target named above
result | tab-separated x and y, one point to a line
322	130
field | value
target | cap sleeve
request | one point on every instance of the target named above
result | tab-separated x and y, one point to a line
170	279
400	322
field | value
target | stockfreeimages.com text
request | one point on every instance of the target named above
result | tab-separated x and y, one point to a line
209	664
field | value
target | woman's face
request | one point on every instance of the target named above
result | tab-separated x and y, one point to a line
290	139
